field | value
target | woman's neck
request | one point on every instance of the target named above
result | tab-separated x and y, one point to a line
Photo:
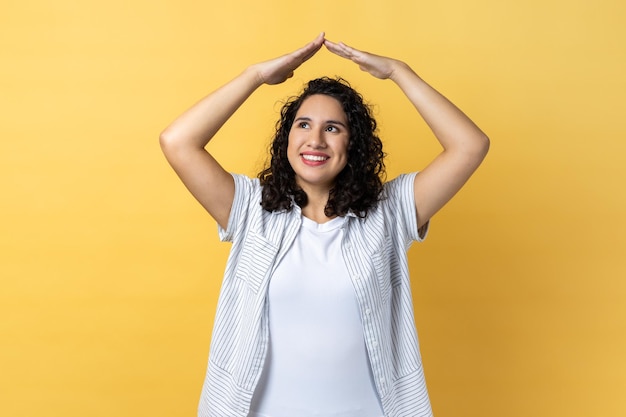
316	214
316	205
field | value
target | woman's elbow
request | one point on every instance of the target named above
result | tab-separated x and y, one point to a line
170	141
165	138
484	145
477	149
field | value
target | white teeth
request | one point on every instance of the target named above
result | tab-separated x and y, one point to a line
314	158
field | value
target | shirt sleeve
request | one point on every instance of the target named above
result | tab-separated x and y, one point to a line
401	195
247	193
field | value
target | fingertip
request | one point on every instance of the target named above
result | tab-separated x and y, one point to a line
320	38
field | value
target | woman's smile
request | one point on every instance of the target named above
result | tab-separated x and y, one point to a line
314	158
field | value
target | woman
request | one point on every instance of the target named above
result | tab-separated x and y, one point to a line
315	315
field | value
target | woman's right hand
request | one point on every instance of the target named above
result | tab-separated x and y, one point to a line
277	70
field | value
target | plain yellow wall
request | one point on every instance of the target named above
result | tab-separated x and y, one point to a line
110	270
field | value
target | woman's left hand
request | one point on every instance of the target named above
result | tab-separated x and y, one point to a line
379	66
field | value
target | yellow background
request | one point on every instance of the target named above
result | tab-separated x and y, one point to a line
110	270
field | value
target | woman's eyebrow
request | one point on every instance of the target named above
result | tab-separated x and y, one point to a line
308	119
336	122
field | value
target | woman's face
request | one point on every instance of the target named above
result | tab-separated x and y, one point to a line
318	142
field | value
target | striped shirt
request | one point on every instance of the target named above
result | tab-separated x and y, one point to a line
374	249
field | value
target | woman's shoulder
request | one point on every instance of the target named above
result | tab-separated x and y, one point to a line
246	180
395	212
246	187
402	184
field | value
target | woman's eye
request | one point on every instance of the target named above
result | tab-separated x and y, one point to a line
303	125
331	129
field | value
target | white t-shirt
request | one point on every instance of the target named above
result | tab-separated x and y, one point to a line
317	364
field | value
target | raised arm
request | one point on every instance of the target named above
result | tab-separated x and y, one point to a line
464	144
183	142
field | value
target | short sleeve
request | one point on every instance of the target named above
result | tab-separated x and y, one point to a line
247	193
401	195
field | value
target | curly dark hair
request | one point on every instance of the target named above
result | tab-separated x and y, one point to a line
358	186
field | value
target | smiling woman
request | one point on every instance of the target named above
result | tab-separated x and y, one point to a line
318	145
330	127
315	315
317	149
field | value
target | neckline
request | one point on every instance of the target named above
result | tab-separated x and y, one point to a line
328	226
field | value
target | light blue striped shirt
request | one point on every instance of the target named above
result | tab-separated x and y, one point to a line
374	249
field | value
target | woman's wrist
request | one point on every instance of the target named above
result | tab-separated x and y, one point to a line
400	70
253	75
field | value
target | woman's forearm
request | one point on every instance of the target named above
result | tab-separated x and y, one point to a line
196	126
453	129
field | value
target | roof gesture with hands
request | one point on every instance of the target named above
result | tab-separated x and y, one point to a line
183	142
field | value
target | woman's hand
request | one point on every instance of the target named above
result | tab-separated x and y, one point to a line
379	66
276	71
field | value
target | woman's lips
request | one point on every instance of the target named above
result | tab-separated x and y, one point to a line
314	159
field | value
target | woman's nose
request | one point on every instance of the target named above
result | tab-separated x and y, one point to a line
317	139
